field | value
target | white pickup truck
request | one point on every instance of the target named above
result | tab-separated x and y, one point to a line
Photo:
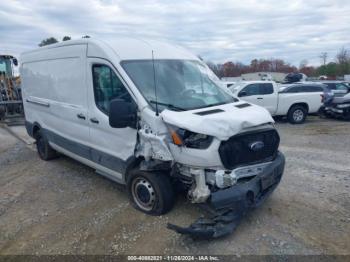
294	101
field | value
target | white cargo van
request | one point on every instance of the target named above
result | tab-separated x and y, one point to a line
152	116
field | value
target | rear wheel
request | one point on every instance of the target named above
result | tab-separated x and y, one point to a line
297	114
152	193
44	149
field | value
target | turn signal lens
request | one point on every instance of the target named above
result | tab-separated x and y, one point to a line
176	138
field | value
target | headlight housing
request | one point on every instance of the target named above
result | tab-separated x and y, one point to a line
183	137
343	105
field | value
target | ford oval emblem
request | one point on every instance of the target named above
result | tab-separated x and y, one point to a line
256	146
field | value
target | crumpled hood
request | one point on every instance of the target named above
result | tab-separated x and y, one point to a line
221	121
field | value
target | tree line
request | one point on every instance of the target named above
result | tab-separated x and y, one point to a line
233	69
339	67
53	40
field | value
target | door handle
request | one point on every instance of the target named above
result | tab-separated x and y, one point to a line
81	116
260	98
94	120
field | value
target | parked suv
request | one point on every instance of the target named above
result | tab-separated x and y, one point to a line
153	117
339	88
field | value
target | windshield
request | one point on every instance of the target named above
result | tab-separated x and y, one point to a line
235	87
181	84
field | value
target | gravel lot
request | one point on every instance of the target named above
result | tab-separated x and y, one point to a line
63	207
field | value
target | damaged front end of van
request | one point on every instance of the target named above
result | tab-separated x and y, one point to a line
221	151
227	206
226	158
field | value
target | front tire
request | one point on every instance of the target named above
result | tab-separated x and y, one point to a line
151	193
43	147
297	114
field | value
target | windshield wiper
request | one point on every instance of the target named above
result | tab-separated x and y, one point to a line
170	106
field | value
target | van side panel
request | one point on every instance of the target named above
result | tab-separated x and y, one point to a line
55	92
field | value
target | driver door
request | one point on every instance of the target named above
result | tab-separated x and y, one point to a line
251	93
111	147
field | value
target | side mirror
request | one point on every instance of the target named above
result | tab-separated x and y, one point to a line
122	114
242	93
15	61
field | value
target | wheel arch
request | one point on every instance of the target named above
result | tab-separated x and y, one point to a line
136	163
131	163
36	128
32	128
303	104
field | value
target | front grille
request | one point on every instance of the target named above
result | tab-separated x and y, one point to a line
237	150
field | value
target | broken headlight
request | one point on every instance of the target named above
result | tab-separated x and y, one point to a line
183	137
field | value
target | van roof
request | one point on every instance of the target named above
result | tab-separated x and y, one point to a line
126	48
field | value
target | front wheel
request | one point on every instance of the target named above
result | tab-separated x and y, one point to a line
297	114
151	193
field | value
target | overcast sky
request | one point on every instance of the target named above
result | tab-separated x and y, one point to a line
217	30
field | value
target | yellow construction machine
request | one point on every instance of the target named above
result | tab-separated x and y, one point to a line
11	106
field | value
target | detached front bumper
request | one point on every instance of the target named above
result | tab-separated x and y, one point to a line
227	206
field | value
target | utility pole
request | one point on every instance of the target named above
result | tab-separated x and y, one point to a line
323	57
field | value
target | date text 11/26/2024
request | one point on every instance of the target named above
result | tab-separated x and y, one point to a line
173	258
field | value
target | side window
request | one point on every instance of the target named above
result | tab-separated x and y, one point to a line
294	89
331	86
341	87
305	89
316	89
107	86
250	90
266	89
